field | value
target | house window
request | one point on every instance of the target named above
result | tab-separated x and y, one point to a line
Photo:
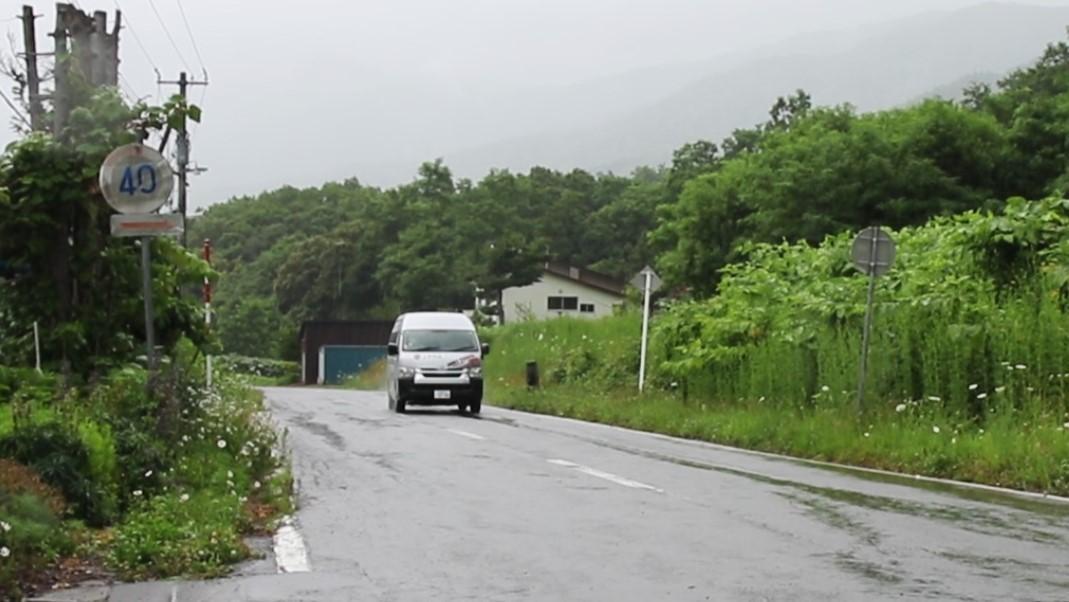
587	308
563	303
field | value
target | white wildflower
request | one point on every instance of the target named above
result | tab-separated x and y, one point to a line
935	429
4	552
900	408
1000	389
866	434
1066	425
138	493
230	474
825	388
934	398
1020	367
974	387
221	444
184	498
148	474
982	396
256	485
6	527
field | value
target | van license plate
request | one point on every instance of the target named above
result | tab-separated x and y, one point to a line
446	394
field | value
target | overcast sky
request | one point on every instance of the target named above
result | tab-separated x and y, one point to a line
303	92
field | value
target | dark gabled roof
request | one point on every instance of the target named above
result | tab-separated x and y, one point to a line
590	278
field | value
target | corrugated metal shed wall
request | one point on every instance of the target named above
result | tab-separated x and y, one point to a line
317	334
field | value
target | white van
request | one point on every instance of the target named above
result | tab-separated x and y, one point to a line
435	358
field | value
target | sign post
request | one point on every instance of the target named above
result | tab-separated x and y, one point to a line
136	181
649	282
873	253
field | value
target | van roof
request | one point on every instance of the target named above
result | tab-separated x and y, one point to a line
436	320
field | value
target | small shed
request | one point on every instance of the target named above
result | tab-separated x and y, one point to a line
332	349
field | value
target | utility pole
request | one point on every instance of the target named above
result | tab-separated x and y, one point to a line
182	150
33	79
92	53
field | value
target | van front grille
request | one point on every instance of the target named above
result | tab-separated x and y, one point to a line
442	373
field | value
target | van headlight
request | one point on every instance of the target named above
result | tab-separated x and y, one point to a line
475	372
407	372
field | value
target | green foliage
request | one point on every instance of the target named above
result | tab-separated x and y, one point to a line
64	462
281	372
82	285
344	251
603	353
948	332
833	171
1019	451
30	536
179	534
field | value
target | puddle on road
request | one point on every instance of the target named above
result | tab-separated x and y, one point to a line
332	438
995	567
833	516
1006	515
499	419
864	568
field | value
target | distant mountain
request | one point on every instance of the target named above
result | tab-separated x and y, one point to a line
955	90
877	67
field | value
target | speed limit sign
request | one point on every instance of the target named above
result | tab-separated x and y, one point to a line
136	179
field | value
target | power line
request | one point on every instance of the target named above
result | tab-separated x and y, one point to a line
134	96
16	110
137	38
167	31
189	30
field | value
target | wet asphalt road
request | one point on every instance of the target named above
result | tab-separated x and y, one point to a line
439	506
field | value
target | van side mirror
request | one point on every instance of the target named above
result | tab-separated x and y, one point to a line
391	349
486	349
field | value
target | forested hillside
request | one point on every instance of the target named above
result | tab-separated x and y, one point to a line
349	251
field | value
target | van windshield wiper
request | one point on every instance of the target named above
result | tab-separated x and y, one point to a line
422	349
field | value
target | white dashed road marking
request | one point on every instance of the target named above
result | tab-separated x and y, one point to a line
467	434
608	476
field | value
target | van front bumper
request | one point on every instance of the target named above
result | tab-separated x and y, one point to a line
423	393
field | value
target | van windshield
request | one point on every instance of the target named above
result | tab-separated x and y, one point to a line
440	340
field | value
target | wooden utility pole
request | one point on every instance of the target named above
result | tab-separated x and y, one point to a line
182	150
33	79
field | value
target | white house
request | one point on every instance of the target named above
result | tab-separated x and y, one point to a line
563	291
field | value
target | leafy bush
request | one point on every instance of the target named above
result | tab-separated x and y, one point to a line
601	352
63	461
30	534
969	321
17	479
32	386
179	534
256	366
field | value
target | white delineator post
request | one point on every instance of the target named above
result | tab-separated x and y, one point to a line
645	330
207	308
37	346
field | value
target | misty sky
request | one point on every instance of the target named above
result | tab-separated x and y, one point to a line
303	92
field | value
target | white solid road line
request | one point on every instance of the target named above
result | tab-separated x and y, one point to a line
608	476
291	556
467	434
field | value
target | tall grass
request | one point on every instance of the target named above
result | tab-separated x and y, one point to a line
968	367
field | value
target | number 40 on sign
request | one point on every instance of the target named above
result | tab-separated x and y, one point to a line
136	179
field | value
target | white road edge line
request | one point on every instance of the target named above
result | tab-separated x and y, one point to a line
291	555
608	476
467	434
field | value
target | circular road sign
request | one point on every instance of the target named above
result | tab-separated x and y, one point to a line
136	179
873	252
